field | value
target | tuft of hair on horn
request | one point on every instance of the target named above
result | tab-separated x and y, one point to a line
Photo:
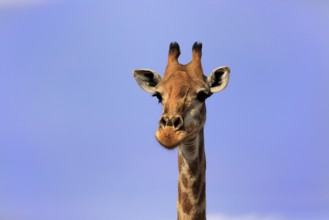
174	49
197	51
197	46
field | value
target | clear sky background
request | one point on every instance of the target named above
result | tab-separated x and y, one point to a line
77	133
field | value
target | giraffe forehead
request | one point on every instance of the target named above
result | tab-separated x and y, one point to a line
180	85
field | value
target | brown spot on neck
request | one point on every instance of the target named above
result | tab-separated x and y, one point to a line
200	215
196	186
186	203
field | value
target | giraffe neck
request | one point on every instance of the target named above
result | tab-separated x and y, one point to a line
191	202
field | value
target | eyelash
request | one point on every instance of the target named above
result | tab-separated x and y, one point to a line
158	95
202	96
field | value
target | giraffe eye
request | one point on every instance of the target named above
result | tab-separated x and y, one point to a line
202	96
159	97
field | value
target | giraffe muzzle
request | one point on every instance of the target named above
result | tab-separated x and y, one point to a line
170	133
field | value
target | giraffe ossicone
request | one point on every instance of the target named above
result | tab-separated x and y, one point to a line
182	91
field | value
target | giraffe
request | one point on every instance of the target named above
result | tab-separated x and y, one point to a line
182	92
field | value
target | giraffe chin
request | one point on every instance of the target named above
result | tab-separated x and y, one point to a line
169	138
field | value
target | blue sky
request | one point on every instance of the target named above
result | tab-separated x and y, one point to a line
77	133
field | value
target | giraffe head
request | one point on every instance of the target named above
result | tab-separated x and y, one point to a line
182	92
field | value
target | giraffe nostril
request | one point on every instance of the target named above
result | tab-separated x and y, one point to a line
177	122
162	122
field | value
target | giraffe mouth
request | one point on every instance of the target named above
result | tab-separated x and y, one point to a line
169	137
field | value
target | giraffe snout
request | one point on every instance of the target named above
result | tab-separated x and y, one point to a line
175	121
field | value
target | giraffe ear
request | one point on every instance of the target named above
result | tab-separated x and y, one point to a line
219	78
147	79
